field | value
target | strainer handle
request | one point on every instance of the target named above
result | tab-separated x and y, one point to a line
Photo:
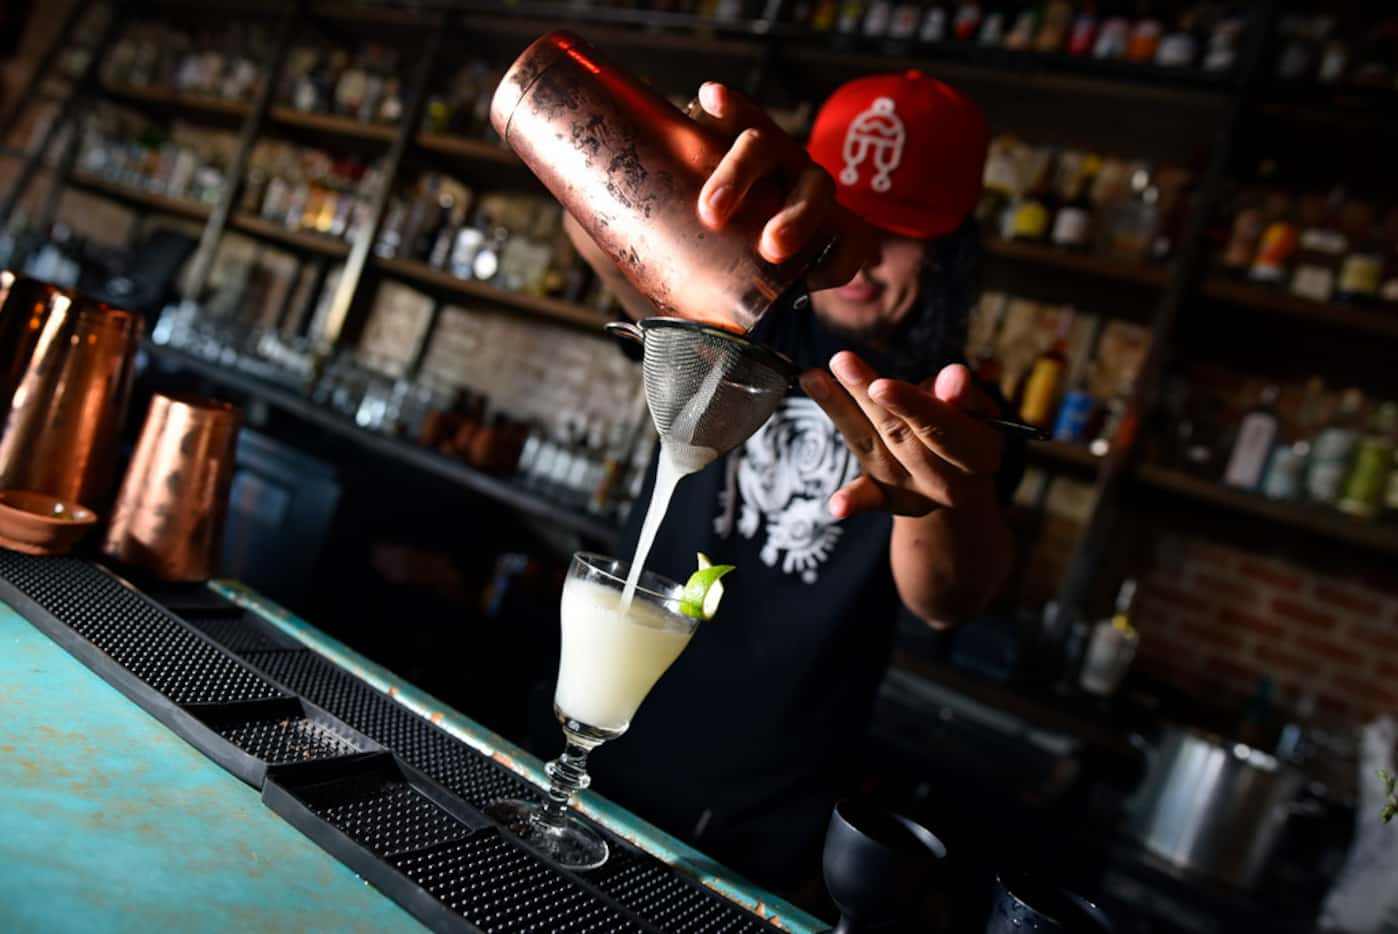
626	330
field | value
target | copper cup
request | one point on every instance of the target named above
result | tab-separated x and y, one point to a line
66	367
168	518
629	167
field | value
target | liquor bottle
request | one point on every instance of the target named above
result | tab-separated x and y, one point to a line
1221	53
967	23
1250	218
1180	46
1082	35
823	15
1143	42
1113	35
1112	646
1256	435
1275	249
1320	251
877	19
851	15
1020	36
1128	227
1072	225
1294	37
1333	449
1285	476
1075	415
992	31
1029	218
903	25
1044	382
1373	461
1362	268
1053	31
934	27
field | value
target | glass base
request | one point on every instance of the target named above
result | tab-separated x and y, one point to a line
573	845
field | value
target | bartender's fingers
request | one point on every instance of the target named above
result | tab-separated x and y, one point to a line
802	217
852	250
859	433
952	434
862	494
754	155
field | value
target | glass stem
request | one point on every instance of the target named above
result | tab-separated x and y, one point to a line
567	776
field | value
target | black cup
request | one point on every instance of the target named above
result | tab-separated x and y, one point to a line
1024	904
877	865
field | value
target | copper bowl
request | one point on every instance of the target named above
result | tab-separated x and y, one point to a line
40	524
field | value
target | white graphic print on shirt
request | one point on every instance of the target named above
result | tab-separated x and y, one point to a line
779	483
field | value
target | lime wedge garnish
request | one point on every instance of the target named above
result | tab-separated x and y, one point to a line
704	590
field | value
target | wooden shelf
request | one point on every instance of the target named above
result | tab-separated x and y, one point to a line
305	241
1379	319
471	150
167	98
548	308
1142	273
333	125
399	450
139	197
649	30
1309	519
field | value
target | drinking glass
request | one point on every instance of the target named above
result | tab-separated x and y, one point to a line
611	657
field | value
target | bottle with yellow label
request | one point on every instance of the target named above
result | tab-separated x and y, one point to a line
1044	383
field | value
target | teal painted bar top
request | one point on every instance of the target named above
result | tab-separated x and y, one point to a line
110	822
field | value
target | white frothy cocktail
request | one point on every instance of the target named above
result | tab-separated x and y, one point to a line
611	656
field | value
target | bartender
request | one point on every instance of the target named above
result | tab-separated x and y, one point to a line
869	488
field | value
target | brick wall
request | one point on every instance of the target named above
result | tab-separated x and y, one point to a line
1214	618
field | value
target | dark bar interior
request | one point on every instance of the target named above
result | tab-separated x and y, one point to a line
1025	375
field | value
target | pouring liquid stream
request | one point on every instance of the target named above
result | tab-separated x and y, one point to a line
677	460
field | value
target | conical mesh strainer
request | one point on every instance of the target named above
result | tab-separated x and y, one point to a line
706	387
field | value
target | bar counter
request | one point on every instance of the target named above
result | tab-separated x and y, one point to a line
114	819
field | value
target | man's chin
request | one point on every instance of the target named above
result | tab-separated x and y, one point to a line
864	328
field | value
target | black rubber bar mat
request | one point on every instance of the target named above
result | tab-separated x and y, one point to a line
633	878
446	864
317	740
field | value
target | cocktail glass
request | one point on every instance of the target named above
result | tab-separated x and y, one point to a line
610	660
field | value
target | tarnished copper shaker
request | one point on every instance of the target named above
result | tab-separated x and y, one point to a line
168	517
25	304
71	383
629	167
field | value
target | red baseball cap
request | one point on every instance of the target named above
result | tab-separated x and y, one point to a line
907	152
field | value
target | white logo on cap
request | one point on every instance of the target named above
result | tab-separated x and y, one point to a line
878	129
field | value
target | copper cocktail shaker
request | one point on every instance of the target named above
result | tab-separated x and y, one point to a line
67	383
168	517
629	167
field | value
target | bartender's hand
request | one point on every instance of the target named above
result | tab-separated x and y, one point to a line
918	444
762	150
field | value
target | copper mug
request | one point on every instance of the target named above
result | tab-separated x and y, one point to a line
629	167
168	518
66	368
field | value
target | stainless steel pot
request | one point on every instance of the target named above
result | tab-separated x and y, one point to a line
1212	807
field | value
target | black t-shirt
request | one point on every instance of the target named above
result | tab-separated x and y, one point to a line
769	703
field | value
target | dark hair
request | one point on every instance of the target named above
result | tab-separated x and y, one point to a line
934	333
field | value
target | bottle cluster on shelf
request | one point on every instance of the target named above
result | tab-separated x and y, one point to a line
513	241
179	161
1323	49
1118	208
461	107
1204	36
224	62
1317	245
1068	372
308	189
324	78
1289	443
